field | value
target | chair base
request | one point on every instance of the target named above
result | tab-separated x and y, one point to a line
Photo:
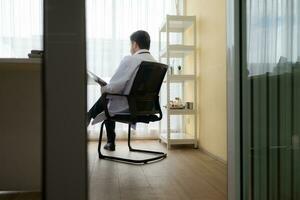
159	155
136	161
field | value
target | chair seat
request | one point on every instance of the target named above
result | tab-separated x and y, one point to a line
140	118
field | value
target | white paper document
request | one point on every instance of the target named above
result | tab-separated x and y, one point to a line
94	78
99	118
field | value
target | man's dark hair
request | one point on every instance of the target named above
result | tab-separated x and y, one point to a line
142	38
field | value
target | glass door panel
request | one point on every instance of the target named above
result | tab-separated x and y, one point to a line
270	101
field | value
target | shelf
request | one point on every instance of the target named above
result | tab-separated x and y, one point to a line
177	23
181	78
178	138
177	51
181	111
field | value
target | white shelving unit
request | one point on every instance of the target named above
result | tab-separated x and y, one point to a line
178	25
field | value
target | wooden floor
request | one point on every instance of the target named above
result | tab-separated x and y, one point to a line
185	174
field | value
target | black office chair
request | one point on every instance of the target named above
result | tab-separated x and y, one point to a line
144	107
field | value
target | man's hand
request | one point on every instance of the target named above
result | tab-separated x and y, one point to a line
102	84
103	89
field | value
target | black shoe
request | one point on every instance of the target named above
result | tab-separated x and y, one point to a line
110	146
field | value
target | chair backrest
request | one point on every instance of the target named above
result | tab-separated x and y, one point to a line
144	95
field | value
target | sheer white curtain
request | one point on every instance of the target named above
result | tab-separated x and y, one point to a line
109	26
109	23
21	27
273	32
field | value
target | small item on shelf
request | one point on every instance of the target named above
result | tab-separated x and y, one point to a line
179	69
176	104
178	100
189	105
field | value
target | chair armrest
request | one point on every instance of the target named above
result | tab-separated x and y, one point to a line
106	105
113	94
132	108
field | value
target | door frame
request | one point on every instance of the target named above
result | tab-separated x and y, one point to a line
64	101
236	59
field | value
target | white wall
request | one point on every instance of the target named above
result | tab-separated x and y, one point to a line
211	74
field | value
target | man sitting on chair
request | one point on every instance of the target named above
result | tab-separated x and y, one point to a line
121	83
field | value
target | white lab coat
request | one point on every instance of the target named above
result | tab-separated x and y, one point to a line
122	81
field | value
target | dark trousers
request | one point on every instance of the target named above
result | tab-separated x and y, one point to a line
97	108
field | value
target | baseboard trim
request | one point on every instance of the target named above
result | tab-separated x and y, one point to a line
213	156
